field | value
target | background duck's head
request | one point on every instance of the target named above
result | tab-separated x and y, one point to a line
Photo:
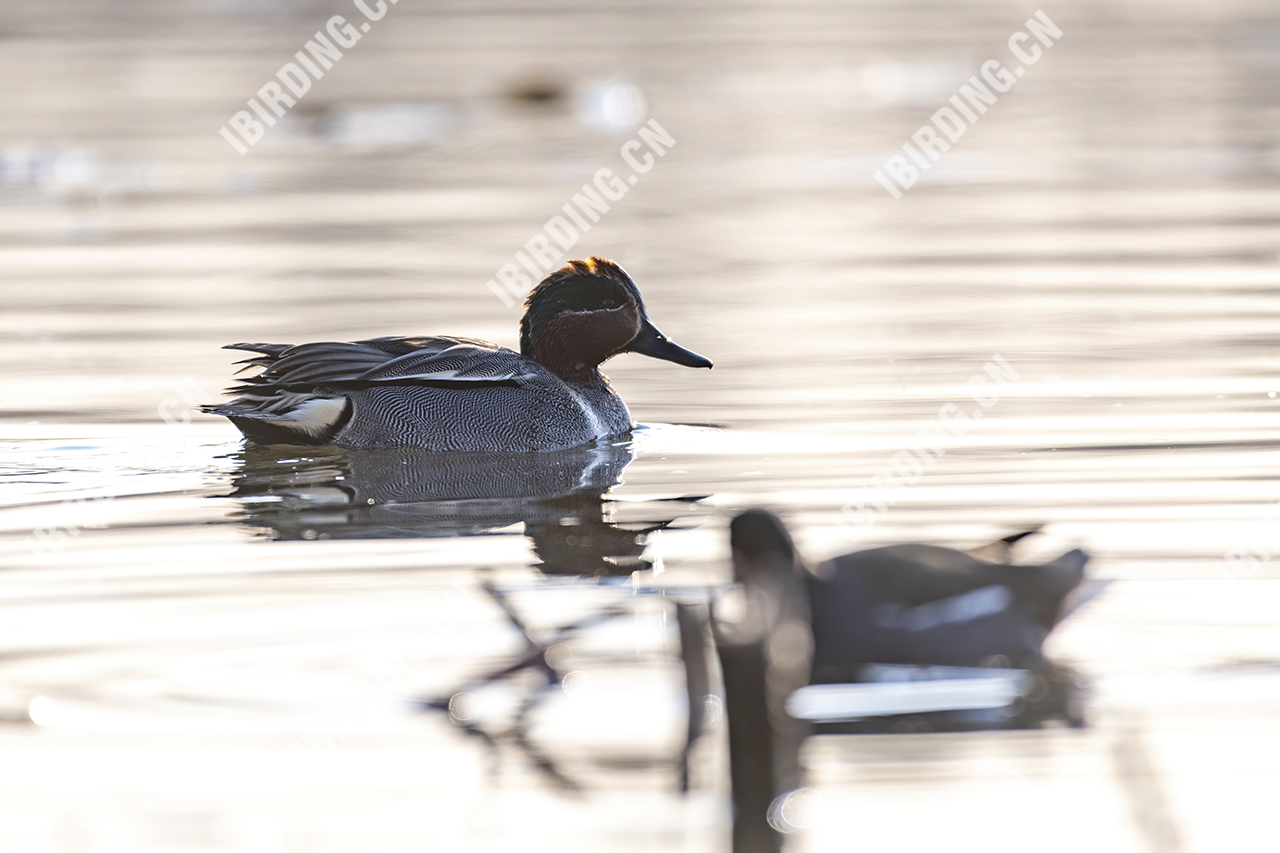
772	602
762	548
586	312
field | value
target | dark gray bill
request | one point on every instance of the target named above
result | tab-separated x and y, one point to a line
654	344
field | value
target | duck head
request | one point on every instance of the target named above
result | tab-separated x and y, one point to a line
762	549
772	604
587	312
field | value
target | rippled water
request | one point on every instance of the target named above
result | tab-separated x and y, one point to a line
233	645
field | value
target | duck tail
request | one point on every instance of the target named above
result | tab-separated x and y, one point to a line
1001	550
286	418
1015	538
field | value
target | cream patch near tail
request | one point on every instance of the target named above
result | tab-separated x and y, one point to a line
314	417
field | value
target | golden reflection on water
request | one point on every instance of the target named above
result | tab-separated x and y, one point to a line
1110	229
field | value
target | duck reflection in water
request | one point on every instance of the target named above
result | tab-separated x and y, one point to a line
561	497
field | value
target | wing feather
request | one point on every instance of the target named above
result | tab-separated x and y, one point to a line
334	365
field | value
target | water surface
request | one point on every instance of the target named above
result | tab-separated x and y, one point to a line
230	643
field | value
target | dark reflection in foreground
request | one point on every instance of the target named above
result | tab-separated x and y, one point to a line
544	658
561	497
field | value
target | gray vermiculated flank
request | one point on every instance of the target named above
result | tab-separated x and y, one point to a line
539	413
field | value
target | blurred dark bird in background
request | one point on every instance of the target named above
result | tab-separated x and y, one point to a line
923	610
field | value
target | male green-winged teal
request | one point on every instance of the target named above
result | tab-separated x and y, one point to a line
448	393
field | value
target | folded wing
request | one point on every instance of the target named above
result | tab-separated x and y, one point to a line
298	395
394	361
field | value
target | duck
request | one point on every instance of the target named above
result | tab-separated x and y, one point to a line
787	625
448	393
910	604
